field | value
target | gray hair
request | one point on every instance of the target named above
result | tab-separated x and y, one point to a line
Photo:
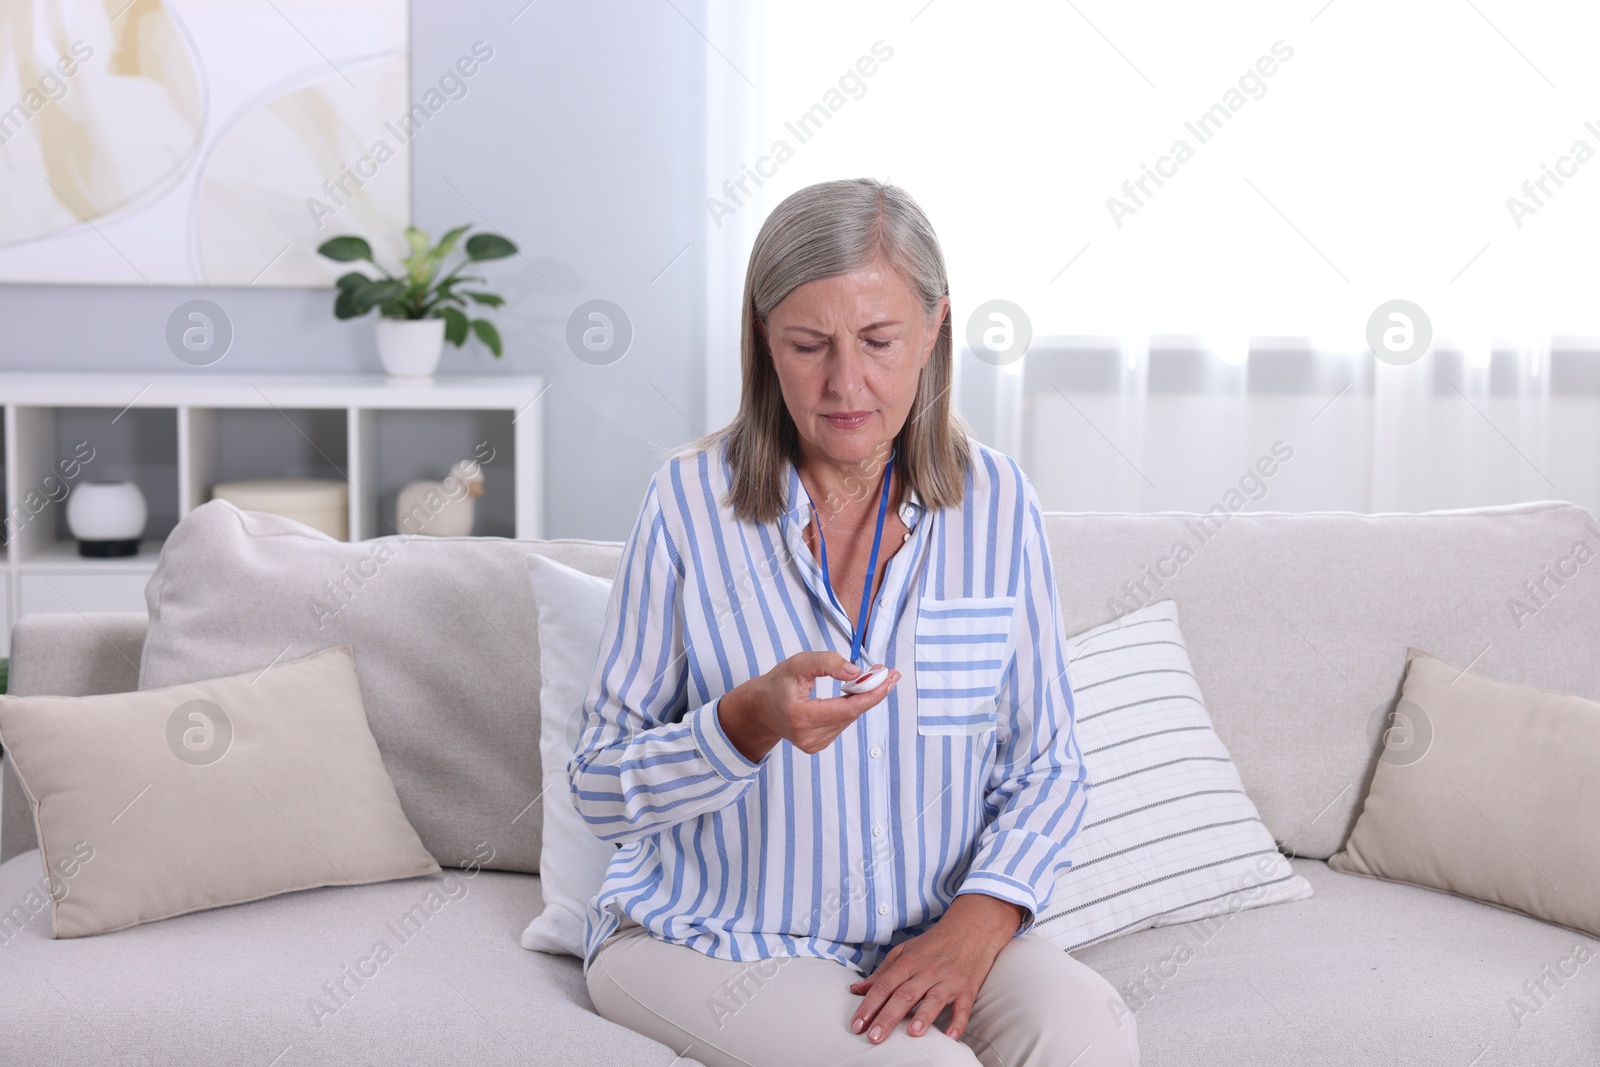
822	231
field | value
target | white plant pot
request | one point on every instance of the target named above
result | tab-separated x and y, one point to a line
107	518
410	348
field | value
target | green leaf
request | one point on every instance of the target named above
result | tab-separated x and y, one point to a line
418	268
455	325
486	299
447	298
457	279
386	290
345	305
487	334
447	243
366	297
482	246
345	249
354	280
417	240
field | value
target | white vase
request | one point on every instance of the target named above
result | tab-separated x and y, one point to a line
410	348
107	518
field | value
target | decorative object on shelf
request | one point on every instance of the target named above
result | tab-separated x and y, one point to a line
107	518
419	309
410	348
441	509
320	503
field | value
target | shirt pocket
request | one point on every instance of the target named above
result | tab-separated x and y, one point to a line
962	647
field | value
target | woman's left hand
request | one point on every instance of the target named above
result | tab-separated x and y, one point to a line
945	965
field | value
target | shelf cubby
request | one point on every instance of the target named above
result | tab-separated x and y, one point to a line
178	435
423	446
55	449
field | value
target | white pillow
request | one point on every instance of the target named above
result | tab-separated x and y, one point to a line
572	860
1168	835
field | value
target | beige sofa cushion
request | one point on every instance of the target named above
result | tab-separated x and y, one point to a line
1492	795
445	644
1298	624
166	801
1364	972
73	654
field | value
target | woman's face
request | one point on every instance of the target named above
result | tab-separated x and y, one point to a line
849	351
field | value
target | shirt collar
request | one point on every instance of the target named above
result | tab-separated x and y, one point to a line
797	505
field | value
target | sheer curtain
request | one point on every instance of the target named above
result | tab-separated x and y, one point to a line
1202	215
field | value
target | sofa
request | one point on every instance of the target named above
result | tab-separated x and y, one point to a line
1298	626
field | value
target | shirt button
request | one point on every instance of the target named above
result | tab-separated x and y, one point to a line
877	831
883	909
874	751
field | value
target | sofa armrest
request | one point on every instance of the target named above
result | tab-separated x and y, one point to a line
66	654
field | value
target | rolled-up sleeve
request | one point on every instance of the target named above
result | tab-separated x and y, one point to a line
645	761
1038	789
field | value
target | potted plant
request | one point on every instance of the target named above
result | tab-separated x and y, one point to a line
418	309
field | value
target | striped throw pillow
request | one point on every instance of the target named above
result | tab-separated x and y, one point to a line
1169	834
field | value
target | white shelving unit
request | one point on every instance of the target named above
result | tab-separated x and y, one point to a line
178	434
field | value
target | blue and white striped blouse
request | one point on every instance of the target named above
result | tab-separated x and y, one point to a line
966	778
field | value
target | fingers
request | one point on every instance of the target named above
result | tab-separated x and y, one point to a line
823	664
894	1007
960	1012
861	985
816	721
862	701
850	705
887	1002
806	667
841	711
933	1002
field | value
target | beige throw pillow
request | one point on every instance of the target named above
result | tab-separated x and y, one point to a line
1488	791
445	642
165	801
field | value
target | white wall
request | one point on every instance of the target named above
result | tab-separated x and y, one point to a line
581	139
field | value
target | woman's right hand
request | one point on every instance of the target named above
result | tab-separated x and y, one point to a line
778	705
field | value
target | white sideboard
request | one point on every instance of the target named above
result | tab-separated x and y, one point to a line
177	435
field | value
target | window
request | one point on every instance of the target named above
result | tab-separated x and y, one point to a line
1202	210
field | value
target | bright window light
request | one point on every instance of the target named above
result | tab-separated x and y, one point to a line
1211	170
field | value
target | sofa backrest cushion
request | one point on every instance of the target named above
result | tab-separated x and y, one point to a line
64	654
445	642
1298	625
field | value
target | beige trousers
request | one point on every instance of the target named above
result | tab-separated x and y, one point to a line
1039	1007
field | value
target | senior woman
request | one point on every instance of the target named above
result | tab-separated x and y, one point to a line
808	874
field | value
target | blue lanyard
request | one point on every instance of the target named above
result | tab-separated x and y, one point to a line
860	632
